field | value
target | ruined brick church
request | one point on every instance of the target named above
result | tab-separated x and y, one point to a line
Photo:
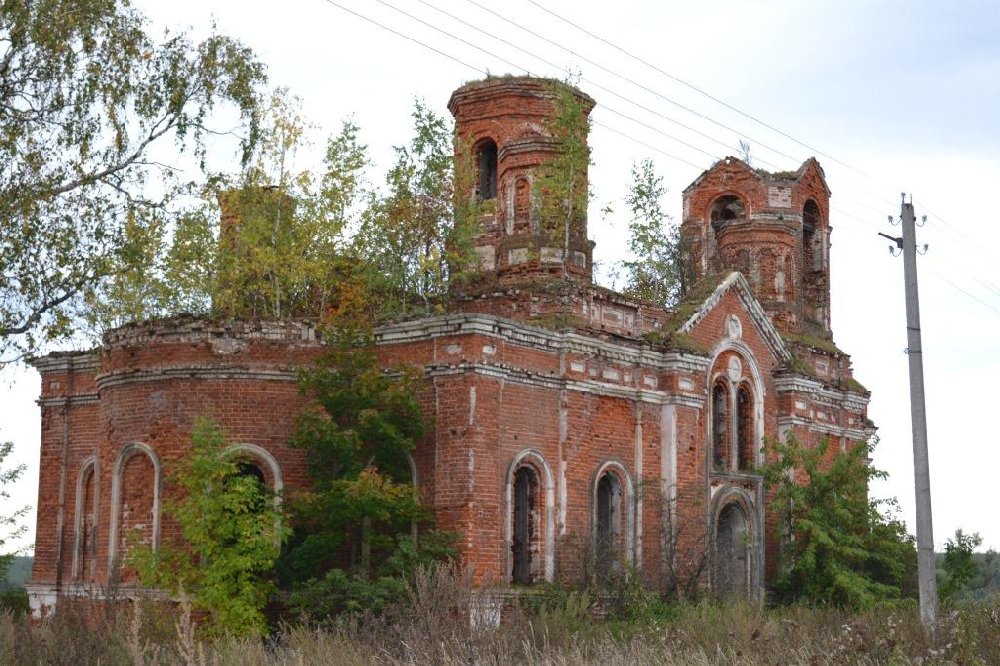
566	418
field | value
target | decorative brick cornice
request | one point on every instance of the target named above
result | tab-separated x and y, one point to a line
185	328
853	434
518	376
816	390
204	372
66	361
631	353
72	401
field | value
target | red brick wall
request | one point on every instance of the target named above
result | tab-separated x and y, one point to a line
514	113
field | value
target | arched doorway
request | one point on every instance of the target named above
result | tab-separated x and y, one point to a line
732	552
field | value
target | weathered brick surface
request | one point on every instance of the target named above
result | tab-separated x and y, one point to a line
545	372
766	237
513	113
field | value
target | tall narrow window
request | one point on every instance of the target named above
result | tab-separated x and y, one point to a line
250	472
745	429
487	155
135	504
525	494
720	430
86	523
608	530
812	251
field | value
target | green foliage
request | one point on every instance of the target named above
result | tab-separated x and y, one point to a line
11	524
958	564
562	181
270	244
85	95
354	590
353	542
654	272
18	572
416	235
231	528
814	342
280	241
838	546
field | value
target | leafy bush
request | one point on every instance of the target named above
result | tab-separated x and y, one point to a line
231	528
356	544
838	547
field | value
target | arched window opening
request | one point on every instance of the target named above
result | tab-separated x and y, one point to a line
720	430
732	552
250	474
726	208
745	429
812	250
487	160
608	532
245	468
524	528
86	523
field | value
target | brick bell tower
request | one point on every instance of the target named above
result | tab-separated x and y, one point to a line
772	227
504	139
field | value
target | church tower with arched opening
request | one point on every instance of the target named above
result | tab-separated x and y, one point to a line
507	129
772	227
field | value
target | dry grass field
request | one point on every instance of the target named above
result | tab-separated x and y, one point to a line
433	627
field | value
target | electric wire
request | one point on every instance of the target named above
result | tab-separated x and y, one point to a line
695	88
486	72
707	95
404	36
637	84
614	130
558	68
616	74
964	291
946	226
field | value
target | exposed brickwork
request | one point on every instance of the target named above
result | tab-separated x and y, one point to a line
512	114
783	253
550	373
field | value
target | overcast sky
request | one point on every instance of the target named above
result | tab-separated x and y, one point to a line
890	96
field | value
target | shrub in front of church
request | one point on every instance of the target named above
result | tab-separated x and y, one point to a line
356	540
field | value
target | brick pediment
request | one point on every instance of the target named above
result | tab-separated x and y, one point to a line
735	283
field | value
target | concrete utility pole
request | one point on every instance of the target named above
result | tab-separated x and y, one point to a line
918	418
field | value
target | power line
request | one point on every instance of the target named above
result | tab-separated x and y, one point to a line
651	147
604	107
723	103
406	37
485	72
967	293
625	116
621	76
456	38
647	89
695	88
962	239
557	67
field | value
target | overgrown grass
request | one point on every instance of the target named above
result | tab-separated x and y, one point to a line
433	627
